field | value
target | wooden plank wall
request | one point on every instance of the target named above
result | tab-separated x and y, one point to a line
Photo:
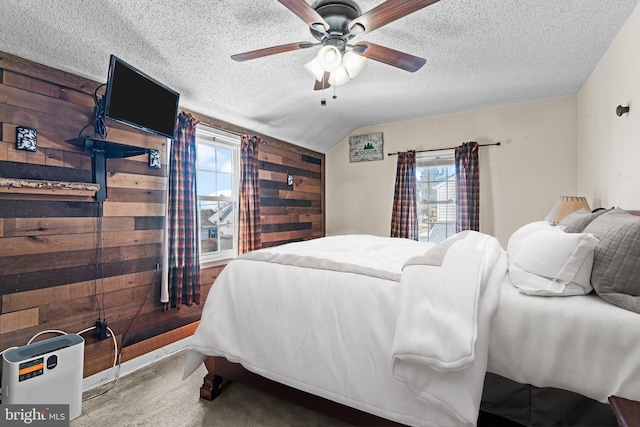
53	274
290	213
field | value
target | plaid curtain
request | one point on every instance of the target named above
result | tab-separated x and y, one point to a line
404	217
467	187
250	231
184	256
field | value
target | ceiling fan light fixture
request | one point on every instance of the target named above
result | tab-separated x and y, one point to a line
329	57
353	63
314	68
339	76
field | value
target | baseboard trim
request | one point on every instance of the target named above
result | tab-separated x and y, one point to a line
133	365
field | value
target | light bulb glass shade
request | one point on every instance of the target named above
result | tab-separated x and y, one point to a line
339	76
329	58
315	69
354	63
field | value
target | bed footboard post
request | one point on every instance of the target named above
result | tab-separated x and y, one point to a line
212	383
211	386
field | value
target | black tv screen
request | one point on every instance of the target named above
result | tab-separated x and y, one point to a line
140	101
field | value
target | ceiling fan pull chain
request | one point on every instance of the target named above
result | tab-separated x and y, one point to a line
323	101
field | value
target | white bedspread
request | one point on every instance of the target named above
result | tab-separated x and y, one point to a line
578	343
329	330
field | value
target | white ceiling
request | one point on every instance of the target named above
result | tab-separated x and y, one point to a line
479	53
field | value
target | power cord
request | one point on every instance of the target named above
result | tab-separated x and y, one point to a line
146	297
124	336
101	324
117	350
99	123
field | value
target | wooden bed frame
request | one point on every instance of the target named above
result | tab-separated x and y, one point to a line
221	371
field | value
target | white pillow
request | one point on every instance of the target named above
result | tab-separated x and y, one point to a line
526	230
550	262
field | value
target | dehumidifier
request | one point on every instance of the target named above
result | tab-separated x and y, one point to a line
47	372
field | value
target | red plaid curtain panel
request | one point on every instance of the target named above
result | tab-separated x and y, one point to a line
467	187
184	256
404	217
250	233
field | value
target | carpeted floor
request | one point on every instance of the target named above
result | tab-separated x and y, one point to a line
157	396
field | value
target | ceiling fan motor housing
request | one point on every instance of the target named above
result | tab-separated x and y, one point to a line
338	14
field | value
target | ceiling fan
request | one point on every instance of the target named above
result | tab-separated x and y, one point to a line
334	23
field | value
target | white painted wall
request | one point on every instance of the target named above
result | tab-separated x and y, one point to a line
520	180
609	168
564	146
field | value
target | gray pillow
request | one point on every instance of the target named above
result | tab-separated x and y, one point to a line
616	263
577	221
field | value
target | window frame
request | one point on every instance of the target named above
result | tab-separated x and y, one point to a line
207	135
438	158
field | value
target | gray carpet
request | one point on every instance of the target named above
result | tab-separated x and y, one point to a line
157	396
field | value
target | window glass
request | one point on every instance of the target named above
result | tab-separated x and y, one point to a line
206	157
217	186
436	196
224	183
224	160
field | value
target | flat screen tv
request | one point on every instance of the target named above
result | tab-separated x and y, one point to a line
134	98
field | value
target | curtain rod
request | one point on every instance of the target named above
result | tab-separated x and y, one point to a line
219	128
262	140
442	149
202	120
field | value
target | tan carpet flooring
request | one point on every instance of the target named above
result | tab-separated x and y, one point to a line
157	396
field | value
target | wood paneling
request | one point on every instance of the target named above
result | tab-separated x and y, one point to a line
290	213
55	271
18	319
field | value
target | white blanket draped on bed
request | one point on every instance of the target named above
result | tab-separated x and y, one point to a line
325	316
445	306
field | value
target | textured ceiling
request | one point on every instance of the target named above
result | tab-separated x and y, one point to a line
479	53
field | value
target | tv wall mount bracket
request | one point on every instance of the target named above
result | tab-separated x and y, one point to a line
100	149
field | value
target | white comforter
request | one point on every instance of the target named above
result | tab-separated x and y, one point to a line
579	343
340	318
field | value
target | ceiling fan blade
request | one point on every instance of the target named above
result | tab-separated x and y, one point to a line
324	84
308	14
386	13
271	51
389	56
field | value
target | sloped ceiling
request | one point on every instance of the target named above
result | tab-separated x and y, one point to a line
479	53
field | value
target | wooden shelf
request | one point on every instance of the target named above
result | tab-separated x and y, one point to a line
44	187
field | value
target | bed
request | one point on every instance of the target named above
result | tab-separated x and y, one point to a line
424	334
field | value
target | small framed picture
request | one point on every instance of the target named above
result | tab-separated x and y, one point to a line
154	159
26	138
363	148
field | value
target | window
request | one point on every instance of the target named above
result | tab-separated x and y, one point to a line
436	196
217	186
